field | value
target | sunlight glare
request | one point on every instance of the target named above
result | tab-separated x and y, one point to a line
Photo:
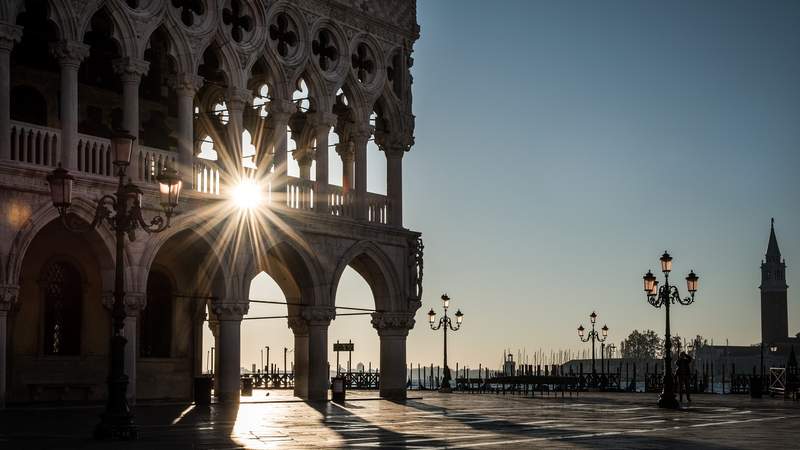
247	194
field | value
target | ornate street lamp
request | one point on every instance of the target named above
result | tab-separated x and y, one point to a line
664	296
593	336
122	211
444	323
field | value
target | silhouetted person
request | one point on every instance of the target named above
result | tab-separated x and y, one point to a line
684	376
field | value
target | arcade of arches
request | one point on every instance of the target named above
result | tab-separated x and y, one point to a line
306	99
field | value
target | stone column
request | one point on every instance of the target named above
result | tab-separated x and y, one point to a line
322	123
393	331
130	72
279	113
69	55
299	327
394	184
9	35
197	337
186	85
346	151
319	319
359	139
8	297
213	326
230	316
236	101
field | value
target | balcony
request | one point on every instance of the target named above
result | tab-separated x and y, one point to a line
35	145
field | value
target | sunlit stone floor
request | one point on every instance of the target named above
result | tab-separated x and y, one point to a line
428	420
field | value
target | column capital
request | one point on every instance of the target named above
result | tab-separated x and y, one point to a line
360	134
279	111
394	144
393	323
318	315
8	296
130	69
69	53
186	84
298	325
322	121
9	35
230	310
135	302
346	150
237	97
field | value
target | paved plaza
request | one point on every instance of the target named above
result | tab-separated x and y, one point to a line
427	420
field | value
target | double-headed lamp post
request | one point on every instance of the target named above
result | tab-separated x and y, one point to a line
593	336
444	323
664	296
122	211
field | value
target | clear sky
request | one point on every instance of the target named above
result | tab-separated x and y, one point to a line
562	146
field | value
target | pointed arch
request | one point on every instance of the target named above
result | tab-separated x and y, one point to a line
372	263
46	214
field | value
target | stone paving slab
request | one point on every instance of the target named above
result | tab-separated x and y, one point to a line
431	420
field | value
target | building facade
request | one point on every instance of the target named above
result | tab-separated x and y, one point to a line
233	93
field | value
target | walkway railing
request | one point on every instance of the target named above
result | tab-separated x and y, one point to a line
34	144
377	208
299	194
152	161
340	203
41	146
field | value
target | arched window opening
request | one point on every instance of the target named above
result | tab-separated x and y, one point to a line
261	101
221	111
207	150
38	32
376	162
97	70
341	97
300	96
63	295
248	151
156	318
335	166
28	105
292	167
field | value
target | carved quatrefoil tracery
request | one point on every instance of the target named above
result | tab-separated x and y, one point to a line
189	9
284	32
363	63
324	49
237	18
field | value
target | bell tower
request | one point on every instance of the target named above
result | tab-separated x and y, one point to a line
774	309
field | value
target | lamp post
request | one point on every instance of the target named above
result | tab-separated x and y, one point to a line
122	211
664	296
611	351
593	336
444	323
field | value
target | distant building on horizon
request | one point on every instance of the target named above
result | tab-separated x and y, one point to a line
774	296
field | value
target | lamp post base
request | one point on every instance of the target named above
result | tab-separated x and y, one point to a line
116	422
116	427
445	390
668	400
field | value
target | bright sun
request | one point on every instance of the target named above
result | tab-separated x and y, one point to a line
247	194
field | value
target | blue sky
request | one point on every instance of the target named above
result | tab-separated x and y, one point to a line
561	146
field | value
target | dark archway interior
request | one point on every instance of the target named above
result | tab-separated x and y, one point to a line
155	321
29	105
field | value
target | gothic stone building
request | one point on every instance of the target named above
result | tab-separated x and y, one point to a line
231	92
